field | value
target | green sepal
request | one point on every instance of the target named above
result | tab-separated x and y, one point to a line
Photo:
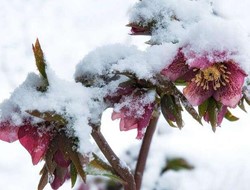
98	167
170	108
73	174
241	104
229	116
212	113
44	178
171	123
202	109
190	109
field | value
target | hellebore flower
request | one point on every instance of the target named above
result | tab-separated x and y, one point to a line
206	77
131	121
133	111
33	139
48	141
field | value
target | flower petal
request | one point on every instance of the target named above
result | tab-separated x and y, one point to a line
177	68
231	94
8	132
144	121
221	115
60	159
35	142
196	95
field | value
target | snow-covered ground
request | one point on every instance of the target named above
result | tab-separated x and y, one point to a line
67	31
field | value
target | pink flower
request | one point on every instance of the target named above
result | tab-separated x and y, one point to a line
33	139
131	121
207	77
43	141
130	99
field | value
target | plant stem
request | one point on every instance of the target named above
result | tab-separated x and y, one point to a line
122	171
143	155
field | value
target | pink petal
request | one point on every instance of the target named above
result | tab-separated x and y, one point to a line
116	115
8	132
221	115
196	95
231	94
144	121
177	68
35	142
60	159
126	122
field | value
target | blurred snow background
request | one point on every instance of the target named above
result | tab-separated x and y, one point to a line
67	31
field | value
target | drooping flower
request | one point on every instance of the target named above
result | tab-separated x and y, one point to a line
33	139
132	106
48	141
132	121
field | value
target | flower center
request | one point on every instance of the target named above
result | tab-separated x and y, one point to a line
214	76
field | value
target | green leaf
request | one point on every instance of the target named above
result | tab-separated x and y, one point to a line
212	113
170	109
241	104
44	178
73	174
177	164
229	116
40	60
98	167
48	116
171	123
203	108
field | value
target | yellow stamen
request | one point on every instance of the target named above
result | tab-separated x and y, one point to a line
215	76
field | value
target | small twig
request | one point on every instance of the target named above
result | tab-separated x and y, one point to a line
113	159
143	155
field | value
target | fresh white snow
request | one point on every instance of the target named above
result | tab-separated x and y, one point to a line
70	30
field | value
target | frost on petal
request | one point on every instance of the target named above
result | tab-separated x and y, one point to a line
35	142
8	132
230	94
196	95
144	121
177	68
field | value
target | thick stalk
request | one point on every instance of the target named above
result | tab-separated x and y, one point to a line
122	171
143	155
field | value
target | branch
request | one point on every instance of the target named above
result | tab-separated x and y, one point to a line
115	162
143	155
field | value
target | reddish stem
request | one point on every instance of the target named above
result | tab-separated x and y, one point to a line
115	162
143	155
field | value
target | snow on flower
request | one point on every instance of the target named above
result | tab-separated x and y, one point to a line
133	106
206	78
48	122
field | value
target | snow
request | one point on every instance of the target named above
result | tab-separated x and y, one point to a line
69	30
